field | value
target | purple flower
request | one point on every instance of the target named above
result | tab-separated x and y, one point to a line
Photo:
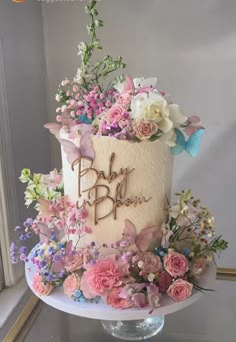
50	250
29	235
17	228
23	250
49	278
14	260
29	221
23	237
12	247
23	257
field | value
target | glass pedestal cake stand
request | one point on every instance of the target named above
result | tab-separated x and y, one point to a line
129	324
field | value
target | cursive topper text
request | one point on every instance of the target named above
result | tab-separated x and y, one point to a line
101	193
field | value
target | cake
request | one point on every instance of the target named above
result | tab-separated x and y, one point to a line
106	226
135	185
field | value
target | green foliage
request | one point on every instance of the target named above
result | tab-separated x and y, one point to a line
92	75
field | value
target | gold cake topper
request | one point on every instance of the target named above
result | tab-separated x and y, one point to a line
101	192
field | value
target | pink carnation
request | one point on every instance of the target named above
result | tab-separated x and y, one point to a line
113	298
115	113
41	288
71	284
103	275
180	290
176	264
73	262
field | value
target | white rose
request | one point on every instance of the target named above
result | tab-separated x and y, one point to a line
154	107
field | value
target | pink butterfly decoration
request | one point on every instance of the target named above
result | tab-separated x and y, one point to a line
54	128
128	85
194	124
84	150
141	240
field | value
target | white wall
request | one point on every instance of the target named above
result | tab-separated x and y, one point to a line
21	34
191	46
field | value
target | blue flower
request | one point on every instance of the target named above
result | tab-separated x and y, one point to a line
29	235
53	237
17	228
23	237
51	250
186	251
41	252
82	299
77	293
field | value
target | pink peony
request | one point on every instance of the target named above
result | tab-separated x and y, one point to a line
71	284
113	298
164	281
176	264
198	265
180	290
73	262
41	288
145	128
150	263
115	113
103	276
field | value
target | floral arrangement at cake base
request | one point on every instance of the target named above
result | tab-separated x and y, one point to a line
131	272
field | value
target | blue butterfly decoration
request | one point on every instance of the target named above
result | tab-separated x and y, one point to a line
191	146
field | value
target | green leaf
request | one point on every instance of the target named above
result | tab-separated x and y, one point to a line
98	23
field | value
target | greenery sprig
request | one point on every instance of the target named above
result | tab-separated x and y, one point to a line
93	75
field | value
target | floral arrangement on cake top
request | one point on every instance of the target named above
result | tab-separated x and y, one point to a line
127	109
134	273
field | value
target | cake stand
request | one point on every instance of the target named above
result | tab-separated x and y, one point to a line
129	324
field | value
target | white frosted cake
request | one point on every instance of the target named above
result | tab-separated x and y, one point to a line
124	181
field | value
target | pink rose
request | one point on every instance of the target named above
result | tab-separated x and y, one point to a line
198	265
113	298
73	262
71	284
180	290
164	281
145	128
103	276
41	288
150	263
115	113
176	264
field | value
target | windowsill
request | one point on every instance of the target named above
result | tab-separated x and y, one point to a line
9	298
